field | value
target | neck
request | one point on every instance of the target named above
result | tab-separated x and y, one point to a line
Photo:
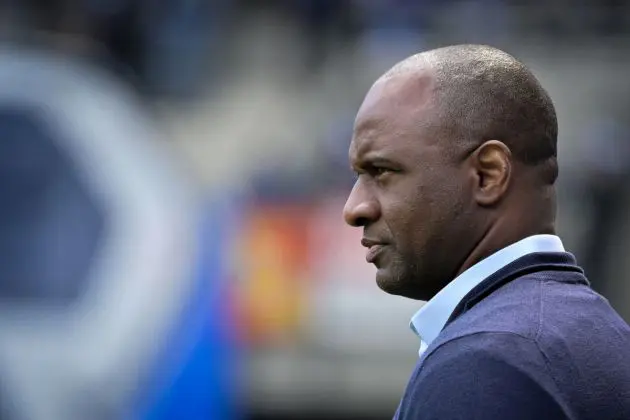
501	235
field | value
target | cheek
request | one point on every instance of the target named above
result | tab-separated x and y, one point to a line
431	209
409	216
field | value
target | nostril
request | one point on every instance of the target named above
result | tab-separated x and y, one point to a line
355	221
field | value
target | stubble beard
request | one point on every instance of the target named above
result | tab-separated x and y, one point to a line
403	277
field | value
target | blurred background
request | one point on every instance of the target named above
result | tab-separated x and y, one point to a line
172	176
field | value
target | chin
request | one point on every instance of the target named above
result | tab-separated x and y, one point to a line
396	285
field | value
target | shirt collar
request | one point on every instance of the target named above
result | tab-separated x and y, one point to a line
432	317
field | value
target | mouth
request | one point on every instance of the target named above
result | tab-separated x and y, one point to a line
373	252
374	248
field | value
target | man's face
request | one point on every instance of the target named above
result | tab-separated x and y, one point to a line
410	196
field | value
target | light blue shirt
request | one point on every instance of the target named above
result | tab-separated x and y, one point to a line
432	317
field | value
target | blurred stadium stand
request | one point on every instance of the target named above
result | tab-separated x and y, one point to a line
256	100
113	282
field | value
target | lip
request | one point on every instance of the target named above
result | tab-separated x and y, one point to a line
373	252
374	248
369	243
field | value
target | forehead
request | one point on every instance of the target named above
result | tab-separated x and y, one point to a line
393	115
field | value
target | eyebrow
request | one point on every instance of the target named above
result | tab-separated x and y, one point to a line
378	160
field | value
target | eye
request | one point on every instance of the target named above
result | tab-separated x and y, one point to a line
379	171
374	172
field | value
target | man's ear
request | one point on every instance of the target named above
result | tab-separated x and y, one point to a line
492	167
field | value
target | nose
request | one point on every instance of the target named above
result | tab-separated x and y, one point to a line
361	208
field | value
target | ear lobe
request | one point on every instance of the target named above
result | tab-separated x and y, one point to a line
493	168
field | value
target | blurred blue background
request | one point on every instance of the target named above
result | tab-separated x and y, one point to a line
172	176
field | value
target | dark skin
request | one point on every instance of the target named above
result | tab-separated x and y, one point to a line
429	207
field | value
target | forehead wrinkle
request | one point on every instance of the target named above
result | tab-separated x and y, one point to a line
403	147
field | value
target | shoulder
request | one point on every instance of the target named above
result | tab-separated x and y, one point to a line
525	306
514	308
506	348
459	376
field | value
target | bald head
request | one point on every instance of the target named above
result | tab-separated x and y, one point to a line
455	152
482	93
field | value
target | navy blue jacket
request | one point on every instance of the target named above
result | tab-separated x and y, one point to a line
532	341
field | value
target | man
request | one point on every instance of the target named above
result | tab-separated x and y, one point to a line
455	151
